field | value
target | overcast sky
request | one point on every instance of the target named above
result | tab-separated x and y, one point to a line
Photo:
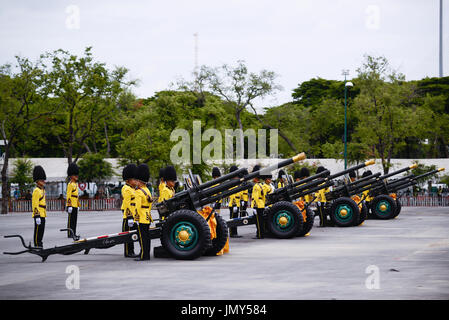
299	40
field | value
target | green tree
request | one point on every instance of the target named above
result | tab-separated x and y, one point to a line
22	174
86	93
23	100
93	168
384	117
238	87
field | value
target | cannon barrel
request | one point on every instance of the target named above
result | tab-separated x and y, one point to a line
360	166
214	190
385	176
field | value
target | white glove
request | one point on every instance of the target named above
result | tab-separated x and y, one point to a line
254	211
38	221
235	209
130	222
69	209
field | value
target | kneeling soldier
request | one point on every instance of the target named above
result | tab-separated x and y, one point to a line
39	205
143	211
129	205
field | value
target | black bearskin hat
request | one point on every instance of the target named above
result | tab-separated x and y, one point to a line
305	172
143	172
39	173
170	174
233	168
297	175
320	169
281	173
256	168
352	174
367	173
73	170
129	171
161	173
266	176
216	172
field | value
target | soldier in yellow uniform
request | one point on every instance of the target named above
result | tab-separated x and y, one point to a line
282	179
258	204
243	203
38	205
129	205
234	206
352	176
168	189
72	198
267	185
161	183
365	193
144	202
320	198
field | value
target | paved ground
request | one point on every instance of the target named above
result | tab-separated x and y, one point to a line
405	258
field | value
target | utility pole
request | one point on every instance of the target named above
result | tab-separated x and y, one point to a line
441	38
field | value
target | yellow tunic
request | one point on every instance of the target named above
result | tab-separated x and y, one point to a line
234	199
258	199
244	195
160	187
38	203
129	201
281	184
166	193
72	195
143	205
321	195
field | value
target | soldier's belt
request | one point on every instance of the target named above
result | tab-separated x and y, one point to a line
43	206
146	207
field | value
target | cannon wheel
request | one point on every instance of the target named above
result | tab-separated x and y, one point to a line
308	223
363	214
398	208
185	235
383	207
284	220
344	212
222	236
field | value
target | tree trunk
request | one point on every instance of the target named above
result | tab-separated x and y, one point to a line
239	121
108	145
5	189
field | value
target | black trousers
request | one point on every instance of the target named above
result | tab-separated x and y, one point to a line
71	221
243	207
129	247
38	233
260	223
322	215
233	215
144	240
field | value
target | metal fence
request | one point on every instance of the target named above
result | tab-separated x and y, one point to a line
424	201
59	205
115	204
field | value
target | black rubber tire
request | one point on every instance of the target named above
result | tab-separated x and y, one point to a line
222	236
335	212
391	207
203	238
288	209
363	214
398	208
308	224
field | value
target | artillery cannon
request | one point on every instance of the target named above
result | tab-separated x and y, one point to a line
184	233
343	205
385	202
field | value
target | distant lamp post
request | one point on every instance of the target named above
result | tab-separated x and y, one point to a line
348	84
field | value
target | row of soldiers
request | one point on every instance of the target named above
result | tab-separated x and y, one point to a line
138	201
39	205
